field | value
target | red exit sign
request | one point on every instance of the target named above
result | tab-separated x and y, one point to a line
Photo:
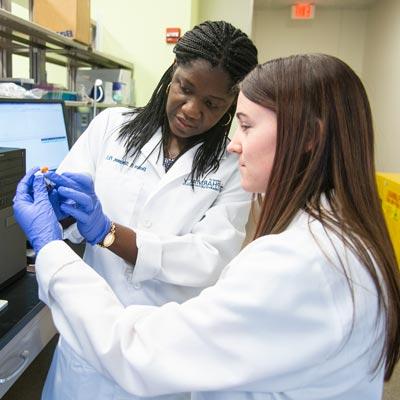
303	11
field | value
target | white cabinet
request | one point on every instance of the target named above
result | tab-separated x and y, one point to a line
20	351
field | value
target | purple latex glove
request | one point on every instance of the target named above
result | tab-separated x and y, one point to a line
34	212
56	200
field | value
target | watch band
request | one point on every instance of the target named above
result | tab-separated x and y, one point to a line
109	238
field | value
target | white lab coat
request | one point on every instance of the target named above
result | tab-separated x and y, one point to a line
277	324
184	236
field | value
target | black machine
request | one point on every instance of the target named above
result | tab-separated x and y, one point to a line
12	239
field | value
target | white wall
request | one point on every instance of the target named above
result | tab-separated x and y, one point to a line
382	80
238	12
367	39
20	65
339	32
135	31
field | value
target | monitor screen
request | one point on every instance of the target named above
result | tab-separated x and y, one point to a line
37	126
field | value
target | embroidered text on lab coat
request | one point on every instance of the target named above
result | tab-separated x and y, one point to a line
124	162
213	184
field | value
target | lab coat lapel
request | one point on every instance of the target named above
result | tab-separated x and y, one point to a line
182	166
151	152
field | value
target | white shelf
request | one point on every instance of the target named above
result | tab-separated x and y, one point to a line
24	34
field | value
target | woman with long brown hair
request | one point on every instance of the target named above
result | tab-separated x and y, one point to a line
325	166
309	310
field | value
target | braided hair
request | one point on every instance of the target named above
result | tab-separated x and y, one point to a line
222	45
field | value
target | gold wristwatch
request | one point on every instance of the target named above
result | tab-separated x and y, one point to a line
109	238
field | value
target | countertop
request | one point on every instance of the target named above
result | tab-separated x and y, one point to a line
23	305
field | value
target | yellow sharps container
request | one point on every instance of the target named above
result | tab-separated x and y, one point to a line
389	192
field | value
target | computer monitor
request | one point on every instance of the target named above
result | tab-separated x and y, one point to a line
37	126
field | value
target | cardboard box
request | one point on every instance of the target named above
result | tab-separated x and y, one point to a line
389	192
70	18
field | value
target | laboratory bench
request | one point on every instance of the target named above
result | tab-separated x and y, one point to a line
26	327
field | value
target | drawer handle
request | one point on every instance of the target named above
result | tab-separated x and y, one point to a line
24	355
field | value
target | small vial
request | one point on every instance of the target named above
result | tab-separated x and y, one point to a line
49	185
117	92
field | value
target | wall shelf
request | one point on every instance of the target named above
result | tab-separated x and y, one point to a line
19	36
28	39
69	103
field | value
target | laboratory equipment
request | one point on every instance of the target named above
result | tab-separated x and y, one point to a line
98	94
117	92
3	304
13	242
37	126
82	117
87	78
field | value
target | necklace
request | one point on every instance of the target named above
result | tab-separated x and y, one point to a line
170	156
167	163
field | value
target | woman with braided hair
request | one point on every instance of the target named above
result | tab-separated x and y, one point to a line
165	209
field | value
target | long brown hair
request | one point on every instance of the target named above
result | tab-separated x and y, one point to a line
325	146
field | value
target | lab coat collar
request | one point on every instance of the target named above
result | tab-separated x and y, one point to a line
182	166
151	152
151	146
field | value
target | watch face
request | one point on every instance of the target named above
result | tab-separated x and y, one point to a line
109	239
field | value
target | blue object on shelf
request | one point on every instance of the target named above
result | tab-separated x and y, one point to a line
61	95
117	92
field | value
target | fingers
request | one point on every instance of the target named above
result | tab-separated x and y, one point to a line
74	212
25	184
78	177
30	174
82	199
24	187
61	180
39	189
53	196
72	180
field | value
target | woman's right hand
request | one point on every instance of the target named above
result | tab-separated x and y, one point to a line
82	203
56	202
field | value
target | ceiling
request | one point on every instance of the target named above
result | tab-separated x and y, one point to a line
319	3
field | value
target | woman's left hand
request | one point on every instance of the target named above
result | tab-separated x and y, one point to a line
34	212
